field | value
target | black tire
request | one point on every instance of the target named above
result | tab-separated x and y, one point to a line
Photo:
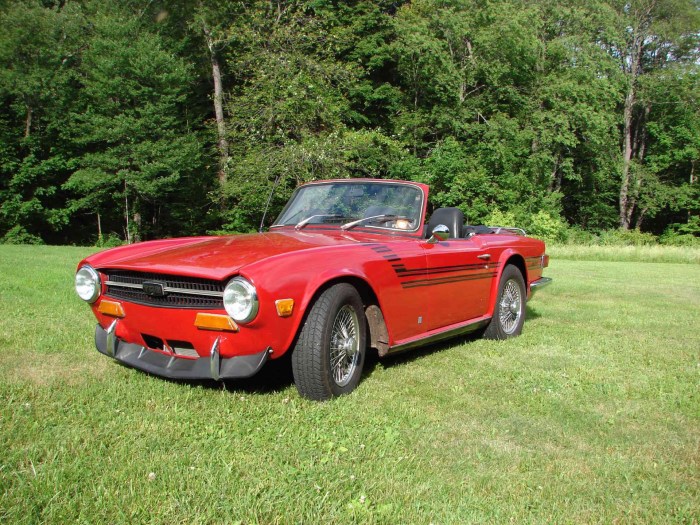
509	312
334	330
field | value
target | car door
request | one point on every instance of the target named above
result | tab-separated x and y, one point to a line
458	282
405	307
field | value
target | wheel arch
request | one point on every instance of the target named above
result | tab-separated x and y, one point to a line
507	257
377	332
365	290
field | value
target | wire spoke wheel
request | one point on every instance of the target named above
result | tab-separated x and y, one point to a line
509	310
510	307
344	345
329	354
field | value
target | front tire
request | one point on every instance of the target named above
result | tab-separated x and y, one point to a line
329	354
509	312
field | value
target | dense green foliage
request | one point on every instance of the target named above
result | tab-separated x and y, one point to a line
564	117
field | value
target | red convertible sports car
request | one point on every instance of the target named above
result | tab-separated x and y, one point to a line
348	265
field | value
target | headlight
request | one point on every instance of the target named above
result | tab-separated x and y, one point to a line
87	284
240	300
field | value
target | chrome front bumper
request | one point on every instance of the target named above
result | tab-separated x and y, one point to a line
173	367
539	284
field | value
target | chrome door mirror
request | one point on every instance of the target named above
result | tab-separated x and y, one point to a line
439	233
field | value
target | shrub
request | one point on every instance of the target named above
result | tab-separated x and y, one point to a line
547	227
682	234
110	241
18	235
577	235
627	238
498	218
679	239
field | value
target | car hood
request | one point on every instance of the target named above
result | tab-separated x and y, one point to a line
212	257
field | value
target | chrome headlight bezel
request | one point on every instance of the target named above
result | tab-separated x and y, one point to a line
241	300
87	277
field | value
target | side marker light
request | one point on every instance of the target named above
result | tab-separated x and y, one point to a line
285	307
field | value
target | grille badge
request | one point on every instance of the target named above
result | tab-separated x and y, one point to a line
154	288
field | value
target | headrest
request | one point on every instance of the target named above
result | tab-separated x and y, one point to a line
453	218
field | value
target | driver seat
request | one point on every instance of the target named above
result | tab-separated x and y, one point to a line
453	218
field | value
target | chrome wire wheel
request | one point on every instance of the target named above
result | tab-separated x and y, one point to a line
344	345
510	306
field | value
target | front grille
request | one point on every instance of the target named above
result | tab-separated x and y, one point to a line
177	291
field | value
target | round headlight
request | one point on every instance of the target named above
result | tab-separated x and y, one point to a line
240	300
87	284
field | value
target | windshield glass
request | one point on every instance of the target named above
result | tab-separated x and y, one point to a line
385	205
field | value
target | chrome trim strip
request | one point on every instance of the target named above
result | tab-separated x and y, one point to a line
112	339
124	285
214	360
471	327
170	289
539	284
511	229
193	292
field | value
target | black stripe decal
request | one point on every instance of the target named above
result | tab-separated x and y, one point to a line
447	280
432	276
448	269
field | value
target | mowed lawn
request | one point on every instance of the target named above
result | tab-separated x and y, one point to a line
591	416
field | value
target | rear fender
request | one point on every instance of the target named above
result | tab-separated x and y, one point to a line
509	256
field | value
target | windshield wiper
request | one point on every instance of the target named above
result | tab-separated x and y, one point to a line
358	222
306	221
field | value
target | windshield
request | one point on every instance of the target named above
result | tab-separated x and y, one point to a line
386	205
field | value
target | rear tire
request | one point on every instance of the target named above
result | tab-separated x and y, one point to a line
329	354
509	312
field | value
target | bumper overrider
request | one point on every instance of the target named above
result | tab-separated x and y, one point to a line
173	367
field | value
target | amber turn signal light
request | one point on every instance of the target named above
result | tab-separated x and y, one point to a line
285	307
215	322
111	308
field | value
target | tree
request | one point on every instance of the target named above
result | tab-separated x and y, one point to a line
136	149
39	47
650	35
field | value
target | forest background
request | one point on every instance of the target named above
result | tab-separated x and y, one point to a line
132	120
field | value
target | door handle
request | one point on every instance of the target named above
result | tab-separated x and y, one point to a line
485	256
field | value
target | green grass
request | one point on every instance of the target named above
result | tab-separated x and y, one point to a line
651	253
591	416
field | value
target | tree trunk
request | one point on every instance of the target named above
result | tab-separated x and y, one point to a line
137	229
99	228
627	202
555	177
640	218
693	180
28	122
218	107
126	213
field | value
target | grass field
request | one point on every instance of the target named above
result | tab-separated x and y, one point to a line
591	416
654	253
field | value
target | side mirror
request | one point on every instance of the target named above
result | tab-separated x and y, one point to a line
439	233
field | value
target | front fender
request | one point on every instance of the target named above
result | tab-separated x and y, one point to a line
299	279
